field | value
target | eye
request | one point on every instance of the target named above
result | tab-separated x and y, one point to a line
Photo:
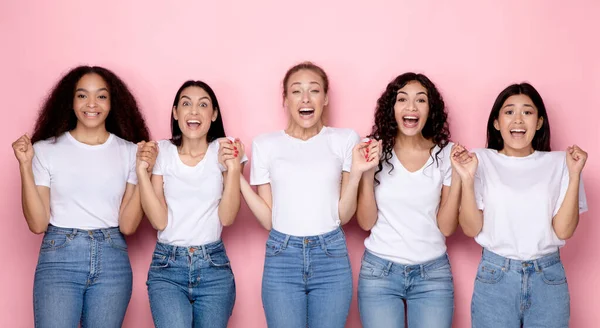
402	99
103	97
315	91
80	96
295	92
508	112
185	103
527	112
422	100
203	104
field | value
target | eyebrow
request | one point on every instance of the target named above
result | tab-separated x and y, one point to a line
184	96
84	90
418	93
524	105
312	82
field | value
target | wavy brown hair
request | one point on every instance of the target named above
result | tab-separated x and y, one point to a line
385	128
57	115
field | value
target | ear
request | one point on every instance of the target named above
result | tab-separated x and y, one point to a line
215	115
540	123
326	100
285	103
175	113
496	125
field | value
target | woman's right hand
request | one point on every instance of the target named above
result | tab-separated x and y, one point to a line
146	156
23	150
463	162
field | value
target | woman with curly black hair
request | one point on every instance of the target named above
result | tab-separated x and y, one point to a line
410	204
79	187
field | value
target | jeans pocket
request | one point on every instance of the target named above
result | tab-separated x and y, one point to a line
489	273
441	273
219	259
336	248
369	270
117	241
159	261
273	248
54	241
554	274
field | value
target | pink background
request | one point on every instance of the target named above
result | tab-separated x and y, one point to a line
470	49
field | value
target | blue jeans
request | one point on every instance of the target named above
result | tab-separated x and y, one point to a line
191	286
82	276
384	286
510	293
307	281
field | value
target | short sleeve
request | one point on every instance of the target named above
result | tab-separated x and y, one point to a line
353	140
132	176
478	185
259	170
446	166
159	165
564	184
40	167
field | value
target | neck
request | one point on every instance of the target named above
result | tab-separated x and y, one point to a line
296	131
517	152
193	147
90	136
412	142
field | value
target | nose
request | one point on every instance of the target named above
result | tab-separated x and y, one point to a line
411	106
91	102
305	98
519	118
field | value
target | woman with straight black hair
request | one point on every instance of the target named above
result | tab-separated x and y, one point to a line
521	202
194	191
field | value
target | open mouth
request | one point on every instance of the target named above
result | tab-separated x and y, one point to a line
517	133
410	121
306	112
193	124
91	114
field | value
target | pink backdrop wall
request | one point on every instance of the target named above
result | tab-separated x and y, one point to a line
470	49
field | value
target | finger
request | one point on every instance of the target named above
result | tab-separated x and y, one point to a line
227	157
227	151
228	146
27	139
372	157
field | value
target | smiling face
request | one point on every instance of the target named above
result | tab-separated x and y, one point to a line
194	112
411	109
305	98
518	122
91	102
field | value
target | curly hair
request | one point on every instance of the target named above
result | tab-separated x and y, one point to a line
216	130
385	128
541	139
57	115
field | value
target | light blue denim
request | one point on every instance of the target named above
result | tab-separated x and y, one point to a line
307	281
82	277
384	287
511	293
191	286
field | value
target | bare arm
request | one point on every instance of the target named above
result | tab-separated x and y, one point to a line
366	212
260	203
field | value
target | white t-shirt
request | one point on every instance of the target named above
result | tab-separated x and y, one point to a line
305	177
519	197
192	194
87	183
406	230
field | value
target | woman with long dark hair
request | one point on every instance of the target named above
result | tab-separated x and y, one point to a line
79	188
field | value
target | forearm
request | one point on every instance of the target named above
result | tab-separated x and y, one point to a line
366	208
230	201
348	198
470	217
35	211
566	220
258	206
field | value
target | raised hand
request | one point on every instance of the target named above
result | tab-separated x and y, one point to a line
23	149
463	162
366	155
146	156
231	153
576	158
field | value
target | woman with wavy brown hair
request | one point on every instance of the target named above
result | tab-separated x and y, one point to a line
410	204
79	188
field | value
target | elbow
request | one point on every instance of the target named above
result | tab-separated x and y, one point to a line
447	232
37	229
564	234
471	232
127	230
228	221
365	224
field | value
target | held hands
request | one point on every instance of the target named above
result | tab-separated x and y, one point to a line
23	150
366	155
576	158
463	162
146	156
231	153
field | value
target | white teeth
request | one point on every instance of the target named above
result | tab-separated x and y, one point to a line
306	110
517	130
410	117
91	114
194	121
